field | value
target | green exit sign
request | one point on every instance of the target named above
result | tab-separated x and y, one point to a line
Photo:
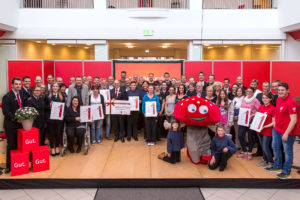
148	32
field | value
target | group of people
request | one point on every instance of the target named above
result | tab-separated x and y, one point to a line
277	136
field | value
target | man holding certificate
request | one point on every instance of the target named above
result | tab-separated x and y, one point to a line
132	119
150	108
118	120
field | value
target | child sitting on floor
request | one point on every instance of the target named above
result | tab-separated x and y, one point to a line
222	148
175	143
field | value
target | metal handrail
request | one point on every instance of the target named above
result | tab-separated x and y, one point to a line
128	4
57	4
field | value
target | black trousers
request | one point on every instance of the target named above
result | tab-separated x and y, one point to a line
54	133
221	160
41	134
118	125
12	141
175	157
73	132
160	127
132	123
150	123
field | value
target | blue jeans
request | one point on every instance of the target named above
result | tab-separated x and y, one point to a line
107	131
96	130
242	134
288	151
265	142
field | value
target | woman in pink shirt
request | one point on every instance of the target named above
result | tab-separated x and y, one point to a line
253	104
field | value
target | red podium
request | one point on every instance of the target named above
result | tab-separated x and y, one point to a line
28	142
40	159
19	162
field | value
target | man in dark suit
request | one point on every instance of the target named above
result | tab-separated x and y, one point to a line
38	103
118	120
25	90
226	83
11	102
50	81
239	81
201	80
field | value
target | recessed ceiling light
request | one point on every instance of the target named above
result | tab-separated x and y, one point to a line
38	41
86	47
69	46
225	46
147	50
53	44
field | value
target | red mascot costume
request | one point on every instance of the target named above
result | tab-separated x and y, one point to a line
197	113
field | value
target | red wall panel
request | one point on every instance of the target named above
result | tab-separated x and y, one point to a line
256	70
48	69
97	68
20	68
67	69
230	69
287	72
192	69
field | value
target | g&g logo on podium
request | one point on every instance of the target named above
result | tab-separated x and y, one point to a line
42	161
18	165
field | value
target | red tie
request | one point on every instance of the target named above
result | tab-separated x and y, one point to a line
19	100
116	93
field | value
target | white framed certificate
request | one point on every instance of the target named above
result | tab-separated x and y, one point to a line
150	109
85	114
258	121
97	112
117	107
57	110
134	103
244	117
106	95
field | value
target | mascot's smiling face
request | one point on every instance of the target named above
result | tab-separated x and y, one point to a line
197	111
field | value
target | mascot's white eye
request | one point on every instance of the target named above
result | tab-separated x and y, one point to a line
203	109
192	108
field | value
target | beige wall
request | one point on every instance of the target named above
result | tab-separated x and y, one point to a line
245	52
33	50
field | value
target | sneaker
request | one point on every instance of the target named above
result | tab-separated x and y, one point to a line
262	164
249	156
242	155
152	143
149	143
269	165
98	141
271	169
284	176
94	142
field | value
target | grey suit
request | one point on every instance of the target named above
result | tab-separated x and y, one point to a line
72	92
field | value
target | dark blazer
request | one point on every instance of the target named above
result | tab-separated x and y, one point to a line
71	117
39	105
122	94
25	94
9	107
48	100
102	102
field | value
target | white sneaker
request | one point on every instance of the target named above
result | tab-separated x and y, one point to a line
94	142
262	164
149	143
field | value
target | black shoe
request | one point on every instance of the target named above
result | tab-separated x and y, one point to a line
72	150
135	138
7	170
257	154
157	139
122	139
128	139
116	139
78	150
57	153
53	154
221	169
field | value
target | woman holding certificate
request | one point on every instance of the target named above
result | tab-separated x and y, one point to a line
97	125
150	108
265	136
75	128
250	106
55	102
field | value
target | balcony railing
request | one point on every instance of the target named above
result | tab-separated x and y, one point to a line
168	4
239	4
57	3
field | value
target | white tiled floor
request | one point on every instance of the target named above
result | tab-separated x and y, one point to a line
209	194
